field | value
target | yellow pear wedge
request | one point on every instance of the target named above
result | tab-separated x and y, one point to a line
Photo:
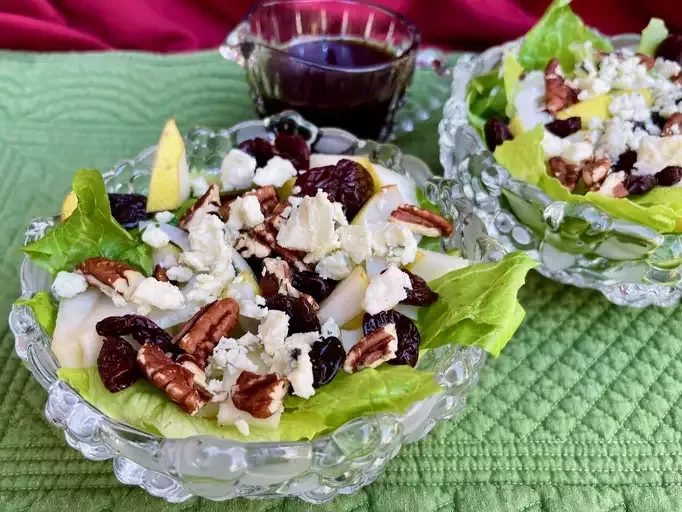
169	181
598	107
69	205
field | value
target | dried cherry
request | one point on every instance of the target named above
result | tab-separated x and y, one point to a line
256	264
671	48
268	285
638	185
302	317
658	119
313	284
669	176
117	364
142	329
564	127
626	161
327	356
420	294
408	334
496	132
260	149
347	182
295	149
128	209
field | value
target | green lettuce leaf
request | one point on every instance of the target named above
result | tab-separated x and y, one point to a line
44	309
385	389
653	35
485	98
90	231
477	305
524	158
553	35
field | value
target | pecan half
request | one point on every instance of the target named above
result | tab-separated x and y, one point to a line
421	221
558	93
673	126
160	274
259	395
567	174
208	204
173	379
595	172
647	60
112	277
203	331
372	350
267	197
197	368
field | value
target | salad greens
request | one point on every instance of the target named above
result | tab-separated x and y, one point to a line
485	98
477	305
553	35
44	309
652	36
89	232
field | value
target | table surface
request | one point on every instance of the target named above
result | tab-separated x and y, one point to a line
582	412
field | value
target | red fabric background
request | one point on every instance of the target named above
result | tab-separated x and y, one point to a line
186	25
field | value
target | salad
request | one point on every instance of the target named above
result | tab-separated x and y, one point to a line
587	123
273	299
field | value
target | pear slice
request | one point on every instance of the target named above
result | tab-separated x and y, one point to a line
169	181
379	207
69	205
345	302
598	107
407	187
430	265
65	340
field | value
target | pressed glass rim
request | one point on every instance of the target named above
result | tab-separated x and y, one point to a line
341	461
581	245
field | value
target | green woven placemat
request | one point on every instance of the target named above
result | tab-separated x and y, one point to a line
582	412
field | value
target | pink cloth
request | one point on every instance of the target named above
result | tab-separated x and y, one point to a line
187	25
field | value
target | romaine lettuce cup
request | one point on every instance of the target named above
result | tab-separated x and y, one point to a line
628	248
336	442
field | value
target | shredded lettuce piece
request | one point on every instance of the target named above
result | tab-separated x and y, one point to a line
44	309
553	35
486	98
652	36
89	232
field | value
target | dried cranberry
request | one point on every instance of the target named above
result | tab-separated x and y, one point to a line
669	176
638	185
658	119
256	264
327	356
260	149
408	334
128	209
313	284
671	48
496	132
295	149
142	329
565	127
302	317
420	294
268	285
347	182
117	364
626	161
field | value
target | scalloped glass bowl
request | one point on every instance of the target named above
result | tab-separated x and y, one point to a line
580	245
342	461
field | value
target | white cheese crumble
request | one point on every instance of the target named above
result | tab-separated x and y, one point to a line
529	100
155	237
152	293
293	361
631	106
69	284
164	217
179	274
199	186
666	68
237	170
334	266
393	242
611	182
242	426
386	290
273	331
657	153
329	328
229	355
356	240
245	213
574	151
276	172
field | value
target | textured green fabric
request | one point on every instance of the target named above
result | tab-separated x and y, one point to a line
582	412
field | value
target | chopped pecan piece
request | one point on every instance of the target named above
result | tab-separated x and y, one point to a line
112	277
176	381
595	172
248	246
208	204
267	197
372	350
673	126
160	274
203	331
277	278
259	395
567	174
421	221
647	60
197	368
677	79
558	93
277	216
267	236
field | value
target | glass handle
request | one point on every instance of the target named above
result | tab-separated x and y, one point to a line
237	45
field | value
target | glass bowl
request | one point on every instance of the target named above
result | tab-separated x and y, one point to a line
631	264
342	461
